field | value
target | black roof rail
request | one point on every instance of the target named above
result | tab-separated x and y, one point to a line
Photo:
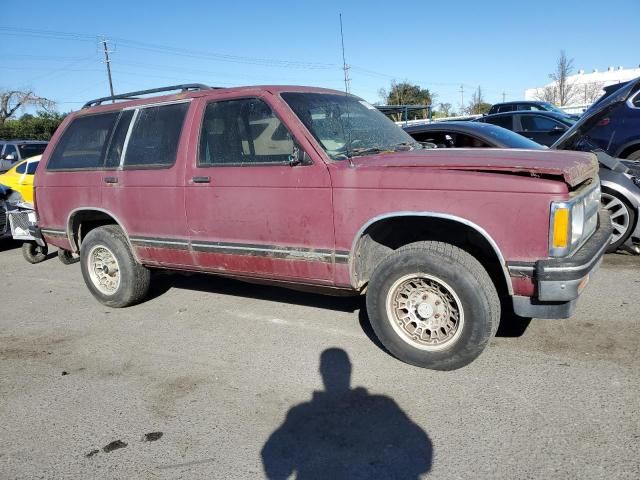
132	95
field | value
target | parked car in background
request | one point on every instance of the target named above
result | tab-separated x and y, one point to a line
524	105
336	197
469	135
541	127
14	151
19	178
617	129
611	127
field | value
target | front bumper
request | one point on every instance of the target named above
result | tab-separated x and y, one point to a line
559	281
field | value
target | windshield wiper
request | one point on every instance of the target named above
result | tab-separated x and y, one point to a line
356	152
406	146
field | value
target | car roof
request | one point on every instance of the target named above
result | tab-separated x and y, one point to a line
521	102
462	126
554	115
208	92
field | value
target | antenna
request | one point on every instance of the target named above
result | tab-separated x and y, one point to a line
345	67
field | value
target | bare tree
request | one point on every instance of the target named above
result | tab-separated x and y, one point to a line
565	88
445	109
13	100
547	94
478	104
589	92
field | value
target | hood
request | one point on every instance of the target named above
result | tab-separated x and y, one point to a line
595	113
573	167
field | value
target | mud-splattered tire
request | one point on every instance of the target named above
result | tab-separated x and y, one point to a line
34	253
66	257
433	305
110	270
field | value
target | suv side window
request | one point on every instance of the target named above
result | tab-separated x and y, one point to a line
504	108
9	149
534	123
155	136
83	143
505	121
243	132
116	145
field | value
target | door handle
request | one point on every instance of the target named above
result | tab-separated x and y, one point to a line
201	179
110	179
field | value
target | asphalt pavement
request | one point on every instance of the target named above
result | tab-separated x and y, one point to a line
212	378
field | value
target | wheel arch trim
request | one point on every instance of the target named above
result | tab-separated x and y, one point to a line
444	216
75	211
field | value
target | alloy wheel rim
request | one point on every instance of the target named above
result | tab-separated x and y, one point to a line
425	311
619	215
104	270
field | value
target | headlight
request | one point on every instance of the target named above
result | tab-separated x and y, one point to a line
573	221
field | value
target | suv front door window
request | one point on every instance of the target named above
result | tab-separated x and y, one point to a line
541	129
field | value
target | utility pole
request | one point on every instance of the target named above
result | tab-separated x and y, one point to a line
345	67
107	60
462	98
504	95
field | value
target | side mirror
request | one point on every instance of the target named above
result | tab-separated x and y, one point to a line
11	157
298	156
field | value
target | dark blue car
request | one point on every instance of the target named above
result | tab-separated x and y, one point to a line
617	130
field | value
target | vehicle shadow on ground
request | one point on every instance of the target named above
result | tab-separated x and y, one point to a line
8	244
345	433
164	281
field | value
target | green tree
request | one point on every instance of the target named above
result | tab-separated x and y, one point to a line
32	127
405	93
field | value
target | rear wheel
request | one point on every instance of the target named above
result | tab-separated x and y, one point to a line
66	257
623	218
433	305
34	253
110	270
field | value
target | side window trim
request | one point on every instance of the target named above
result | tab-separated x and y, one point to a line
127	137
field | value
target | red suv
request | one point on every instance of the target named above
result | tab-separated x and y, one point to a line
307	186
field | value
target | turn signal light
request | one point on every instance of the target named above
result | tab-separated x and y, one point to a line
561	228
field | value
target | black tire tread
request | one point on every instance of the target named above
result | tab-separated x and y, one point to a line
141	276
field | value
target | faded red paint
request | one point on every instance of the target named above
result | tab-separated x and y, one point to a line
320	207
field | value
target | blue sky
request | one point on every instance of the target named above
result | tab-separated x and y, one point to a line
503	46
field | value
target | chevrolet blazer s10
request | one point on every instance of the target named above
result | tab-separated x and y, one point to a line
312	187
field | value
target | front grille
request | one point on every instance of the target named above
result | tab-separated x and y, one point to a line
20	220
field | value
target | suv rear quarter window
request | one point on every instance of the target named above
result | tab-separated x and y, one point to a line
83	143
155	136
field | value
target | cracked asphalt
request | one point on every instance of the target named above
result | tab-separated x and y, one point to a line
212	378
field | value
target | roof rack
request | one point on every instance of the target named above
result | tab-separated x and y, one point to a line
132	95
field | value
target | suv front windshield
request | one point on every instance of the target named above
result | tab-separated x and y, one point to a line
346	126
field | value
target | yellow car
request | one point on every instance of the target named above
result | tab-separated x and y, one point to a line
19	178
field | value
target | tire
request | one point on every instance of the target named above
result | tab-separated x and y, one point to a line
34	253
66	257
623	217
634	155
110	270
468	290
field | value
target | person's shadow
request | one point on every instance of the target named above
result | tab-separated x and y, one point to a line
346	434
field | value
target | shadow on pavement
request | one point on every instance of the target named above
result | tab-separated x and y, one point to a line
345	433
163	282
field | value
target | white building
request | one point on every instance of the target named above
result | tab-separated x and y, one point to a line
588	86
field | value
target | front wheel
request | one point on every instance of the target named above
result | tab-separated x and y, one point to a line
433	305
110	270
34	253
